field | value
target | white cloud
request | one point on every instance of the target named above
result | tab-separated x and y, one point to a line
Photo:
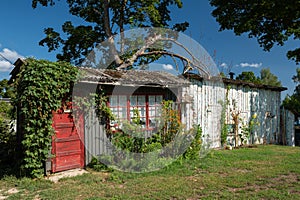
5	66
255	65
11	56
224	65
168	66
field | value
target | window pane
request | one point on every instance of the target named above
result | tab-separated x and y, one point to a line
122	100
151	111
142	111
113	100
159	99
123	113
133	100
152	122
151	100
141	100
158	111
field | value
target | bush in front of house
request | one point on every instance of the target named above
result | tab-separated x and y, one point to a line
133	151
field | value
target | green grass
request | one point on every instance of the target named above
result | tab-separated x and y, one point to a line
266	172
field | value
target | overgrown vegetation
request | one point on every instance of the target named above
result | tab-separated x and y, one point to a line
7	140
292	102
7	133
224	123
266	77
135	151
41	86
265	172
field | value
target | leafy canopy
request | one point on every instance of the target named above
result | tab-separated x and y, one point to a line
293	102
270	21
6	90
266	77
103	19
248	77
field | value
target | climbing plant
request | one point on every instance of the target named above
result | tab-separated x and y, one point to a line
224	126
42	86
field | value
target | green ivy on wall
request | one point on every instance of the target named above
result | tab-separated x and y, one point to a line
224	126
41	87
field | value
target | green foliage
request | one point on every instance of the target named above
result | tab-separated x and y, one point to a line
193	152
97	101
248	76
270	21
96	165
102	18
224	126
248	128
268	78
292	102
7	140
6	90
41	87
171	123
132	139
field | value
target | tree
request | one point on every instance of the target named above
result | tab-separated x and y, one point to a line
270	21
105	18
248	77
267	78
292	102
6	90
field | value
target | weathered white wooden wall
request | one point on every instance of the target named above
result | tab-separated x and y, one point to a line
288	128
204	107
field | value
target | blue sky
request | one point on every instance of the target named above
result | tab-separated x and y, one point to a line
22	29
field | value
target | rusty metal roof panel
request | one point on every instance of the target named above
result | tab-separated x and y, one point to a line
132	77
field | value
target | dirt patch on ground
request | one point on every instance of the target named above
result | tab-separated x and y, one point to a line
70	173
5	194
273	182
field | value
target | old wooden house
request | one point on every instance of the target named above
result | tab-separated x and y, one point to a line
253	104
211	103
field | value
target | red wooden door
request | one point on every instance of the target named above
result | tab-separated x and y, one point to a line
67	142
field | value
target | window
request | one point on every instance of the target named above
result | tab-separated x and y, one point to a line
118	106
154	110
148	106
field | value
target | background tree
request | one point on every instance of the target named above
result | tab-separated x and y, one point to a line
292	102
267	78
7	134
103	19
270	21
6	90
248	76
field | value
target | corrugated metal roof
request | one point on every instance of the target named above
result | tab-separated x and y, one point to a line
132	77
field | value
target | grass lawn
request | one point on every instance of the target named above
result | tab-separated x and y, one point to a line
266	172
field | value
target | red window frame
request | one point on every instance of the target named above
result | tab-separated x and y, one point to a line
142	107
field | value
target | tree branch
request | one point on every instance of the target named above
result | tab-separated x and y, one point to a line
190	62
121	24
108	32
140	52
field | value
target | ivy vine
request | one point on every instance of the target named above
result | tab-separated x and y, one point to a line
42	86
224	126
